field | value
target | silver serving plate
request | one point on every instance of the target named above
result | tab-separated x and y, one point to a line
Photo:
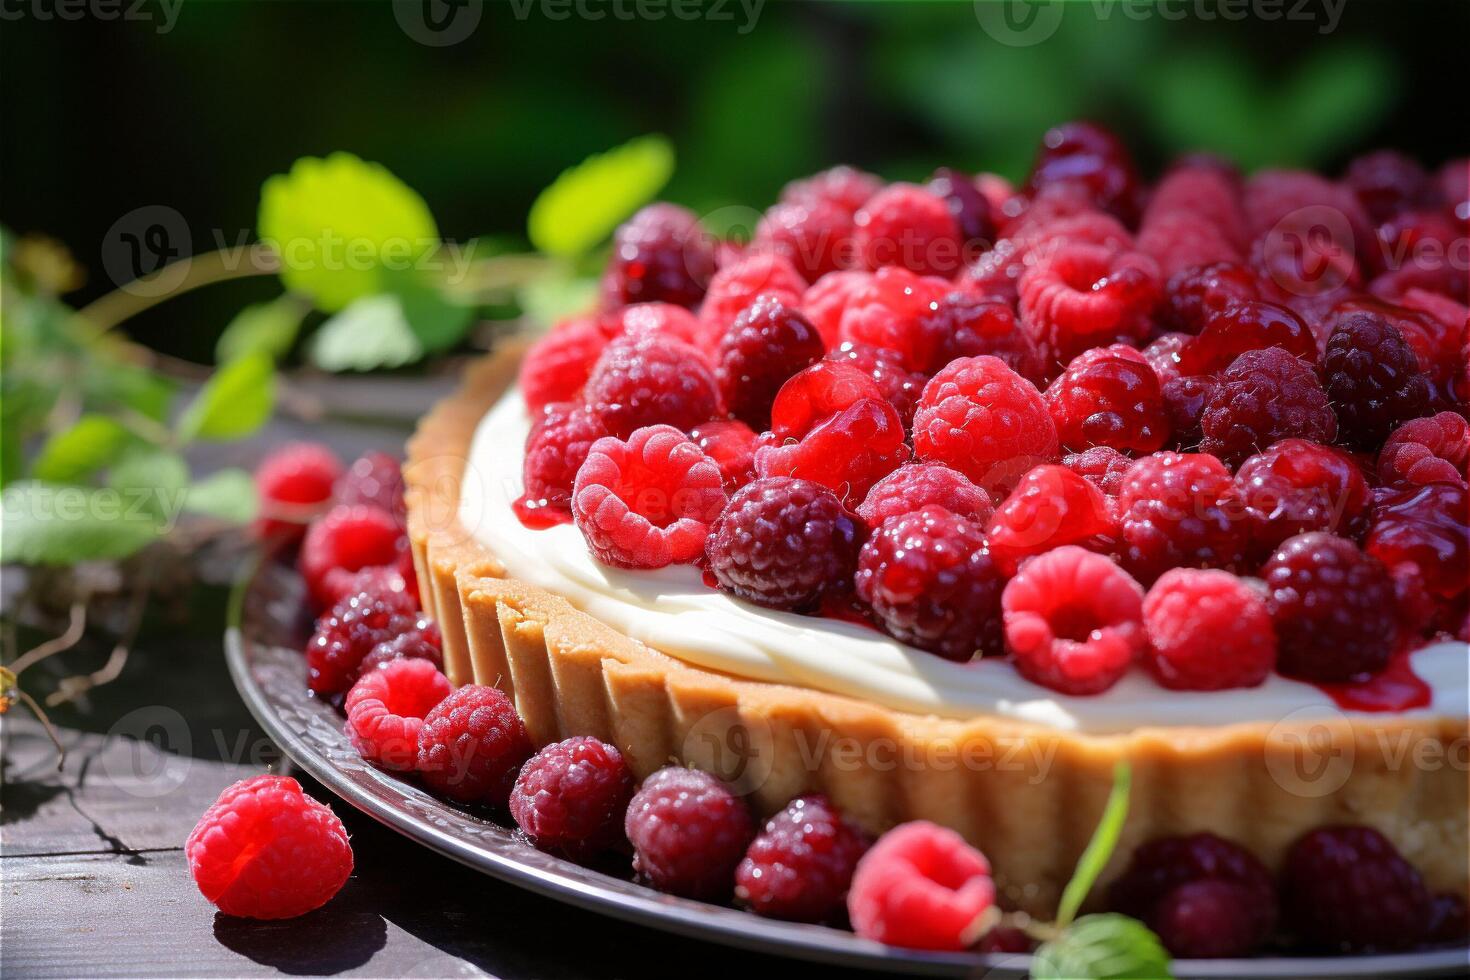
263	647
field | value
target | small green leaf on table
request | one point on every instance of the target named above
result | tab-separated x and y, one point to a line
1102	947
585	203
262	328
57	524
233	403
74	454
370	334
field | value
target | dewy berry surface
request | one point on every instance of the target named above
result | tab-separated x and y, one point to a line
1109	396
800	865
572	796
1263	397
689	831
471	745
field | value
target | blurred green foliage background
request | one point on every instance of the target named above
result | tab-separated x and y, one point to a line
104	117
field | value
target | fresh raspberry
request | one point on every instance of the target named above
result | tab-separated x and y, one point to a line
886	312
844	186
348	632
1265	396
815	236
1050	507
556	367
922	887
1428	450
421	642
917	485
1207	631
737	285
1102	466
906	225
689	831
347	537
1085	155
266	850
768	343
731	445
995	275
1163	886
798	868
1180	509
1333	607
374	478
471	745
1387	182
642	382
1073	621
1162	354
1428	528
899	385
572	796
1348	888
931	583
652	320
1245	327
1042	234
964	325
647	501
970	208
1271	196
293	483
1180	240
386	708
1082	296
816	394
985	420
1108	396
1192	296
1298	486
1207	190
997	191
826	300
783	543
1373	379
659	255
556	447
1185	399
375	579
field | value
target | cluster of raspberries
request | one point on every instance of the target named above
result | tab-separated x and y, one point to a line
1083	423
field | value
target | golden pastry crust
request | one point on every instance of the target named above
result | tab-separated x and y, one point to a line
1027	795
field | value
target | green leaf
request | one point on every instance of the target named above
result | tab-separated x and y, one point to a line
437	322
1103	947
585	203
51	524
234	402
338	224
1338	95
262	328
228	494
153	479
372	333
76	453
1100	848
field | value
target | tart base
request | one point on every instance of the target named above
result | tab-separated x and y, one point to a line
1028	796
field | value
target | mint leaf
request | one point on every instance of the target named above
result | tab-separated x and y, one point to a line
262	328
372	333
585	203
338	223
233	403
76	453
1100	848
152	480
54	524
228	494
437	322
1102	947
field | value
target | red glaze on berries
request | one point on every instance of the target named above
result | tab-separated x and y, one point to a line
1050	507
1298	486
1245	327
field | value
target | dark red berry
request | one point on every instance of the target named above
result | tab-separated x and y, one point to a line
471	745
1163	864
650	381
1427	528
1085	154
1373	379
1194	295
349	631
555	449
1349	889
1388	182
1108	396
421	641
899	385
1208	919
572	796
1298	486
689	831
964	325
799	866
1180	510
1428	450
768	343
970	208
659	255
1102	466
1245	327
345	539
1265	396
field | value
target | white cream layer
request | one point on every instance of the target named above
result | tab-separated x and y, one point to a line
672	610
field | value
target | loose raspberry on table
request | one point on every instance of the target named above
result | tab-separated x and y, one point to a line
659	255
374	478
1108	396
800	865
827	299
768	343
421	641
887	310
1180	510
783	543
1298	486
844	186
1050	507
471	745
1087	156
962	324
1373	379
1204	895
643	320
651	381
731	445
1246	327
899	385
1102	466
931	583
555	449
1427	528
737	285
647	501
1192	296
689	831
815	235
905	225
266	850
985	420
293	483
970	208
1427	450
556	366
572	796
922	887
1264	397
386	709
1349	889
1080	296
1207	631
917	485
349	631
347	537
1333	607
1073	621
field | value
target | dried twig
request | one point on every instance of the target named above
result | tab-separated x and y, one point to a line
30	702
74	630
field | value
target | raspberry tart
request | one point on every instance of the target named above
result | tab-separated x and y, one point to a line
934	514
